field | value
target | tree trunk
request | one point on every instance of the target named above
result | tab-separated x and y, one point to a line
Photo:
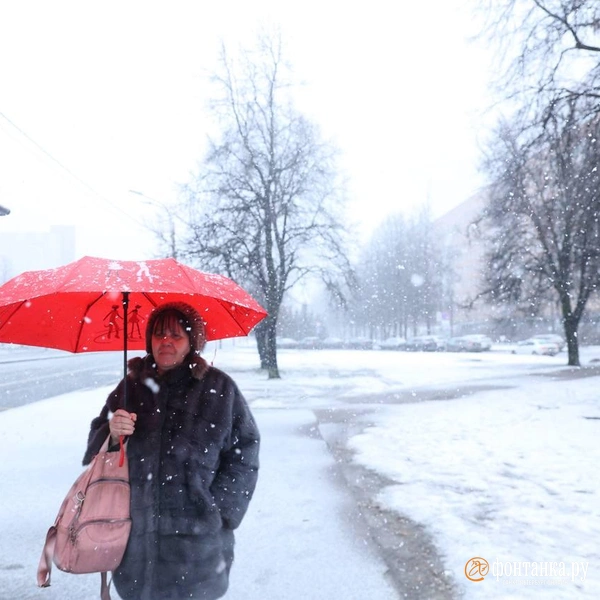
260	331
571	326
270	363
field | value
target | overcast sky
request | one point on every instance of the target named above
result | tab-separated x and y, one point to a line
101	98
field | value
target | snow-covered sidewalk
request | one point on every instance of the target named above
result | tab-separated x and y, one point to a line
511	477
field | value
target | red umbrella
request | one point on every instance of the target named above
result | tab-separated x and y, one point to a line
88	305
80	307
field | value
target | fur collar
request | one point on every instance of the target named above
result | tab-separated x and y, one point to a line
144	367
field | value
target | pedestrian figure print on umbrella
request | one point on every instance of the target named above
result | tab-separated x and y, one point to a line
134	321
112	317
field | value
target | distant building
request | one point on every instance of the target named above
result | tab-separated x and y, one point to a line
30	251
460	235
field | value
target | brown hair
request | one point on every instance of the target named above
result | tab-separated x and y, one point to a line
166	315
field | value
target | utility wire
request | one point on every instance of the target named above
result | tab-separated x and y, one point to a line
78	179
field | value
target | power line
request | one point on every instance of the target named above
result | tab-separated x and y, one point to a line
66	169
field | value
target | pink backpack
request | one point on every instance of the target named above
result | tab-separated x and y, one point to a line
92	527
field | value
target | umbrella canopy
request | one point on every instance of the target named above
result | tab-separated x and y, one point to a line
84	306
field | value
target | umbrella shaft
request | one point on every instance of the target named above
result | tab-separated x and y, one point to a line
125	334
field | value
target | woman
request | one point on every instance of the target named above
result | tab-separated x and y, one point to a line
193	462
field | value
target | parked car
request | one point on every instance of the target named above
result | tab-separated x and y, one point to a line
360	343
422	343
333	343
440	342
283	342
393	343
310	343
461	344
550	337
456	344
535	346
484	341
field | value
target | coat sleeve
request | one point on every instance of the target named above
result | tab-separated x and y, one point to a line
235	481
99	429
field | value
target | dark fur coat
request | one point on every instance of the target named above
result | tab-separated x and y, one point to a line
193	464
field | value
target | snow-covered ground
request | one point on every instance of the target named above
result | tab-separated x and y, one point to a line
509	475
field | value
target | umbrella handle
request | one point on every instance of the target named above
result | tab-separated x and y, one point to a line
121	450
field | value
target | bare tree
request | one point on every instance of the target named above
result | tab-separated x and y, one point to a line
544	181
544	216
266	206
548	53
399	276
380	301
425	277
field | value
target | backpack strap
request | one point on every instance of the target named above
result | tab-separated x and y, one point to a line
45	567
104	586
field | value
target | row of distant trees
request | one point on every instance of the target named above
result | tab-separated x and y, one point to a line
266	204
400	275
403	282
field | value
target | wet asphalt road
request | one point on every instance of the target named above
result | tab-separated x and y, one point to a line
29	375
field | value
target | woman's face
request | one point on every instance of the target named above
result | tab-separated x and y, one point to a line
170	343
